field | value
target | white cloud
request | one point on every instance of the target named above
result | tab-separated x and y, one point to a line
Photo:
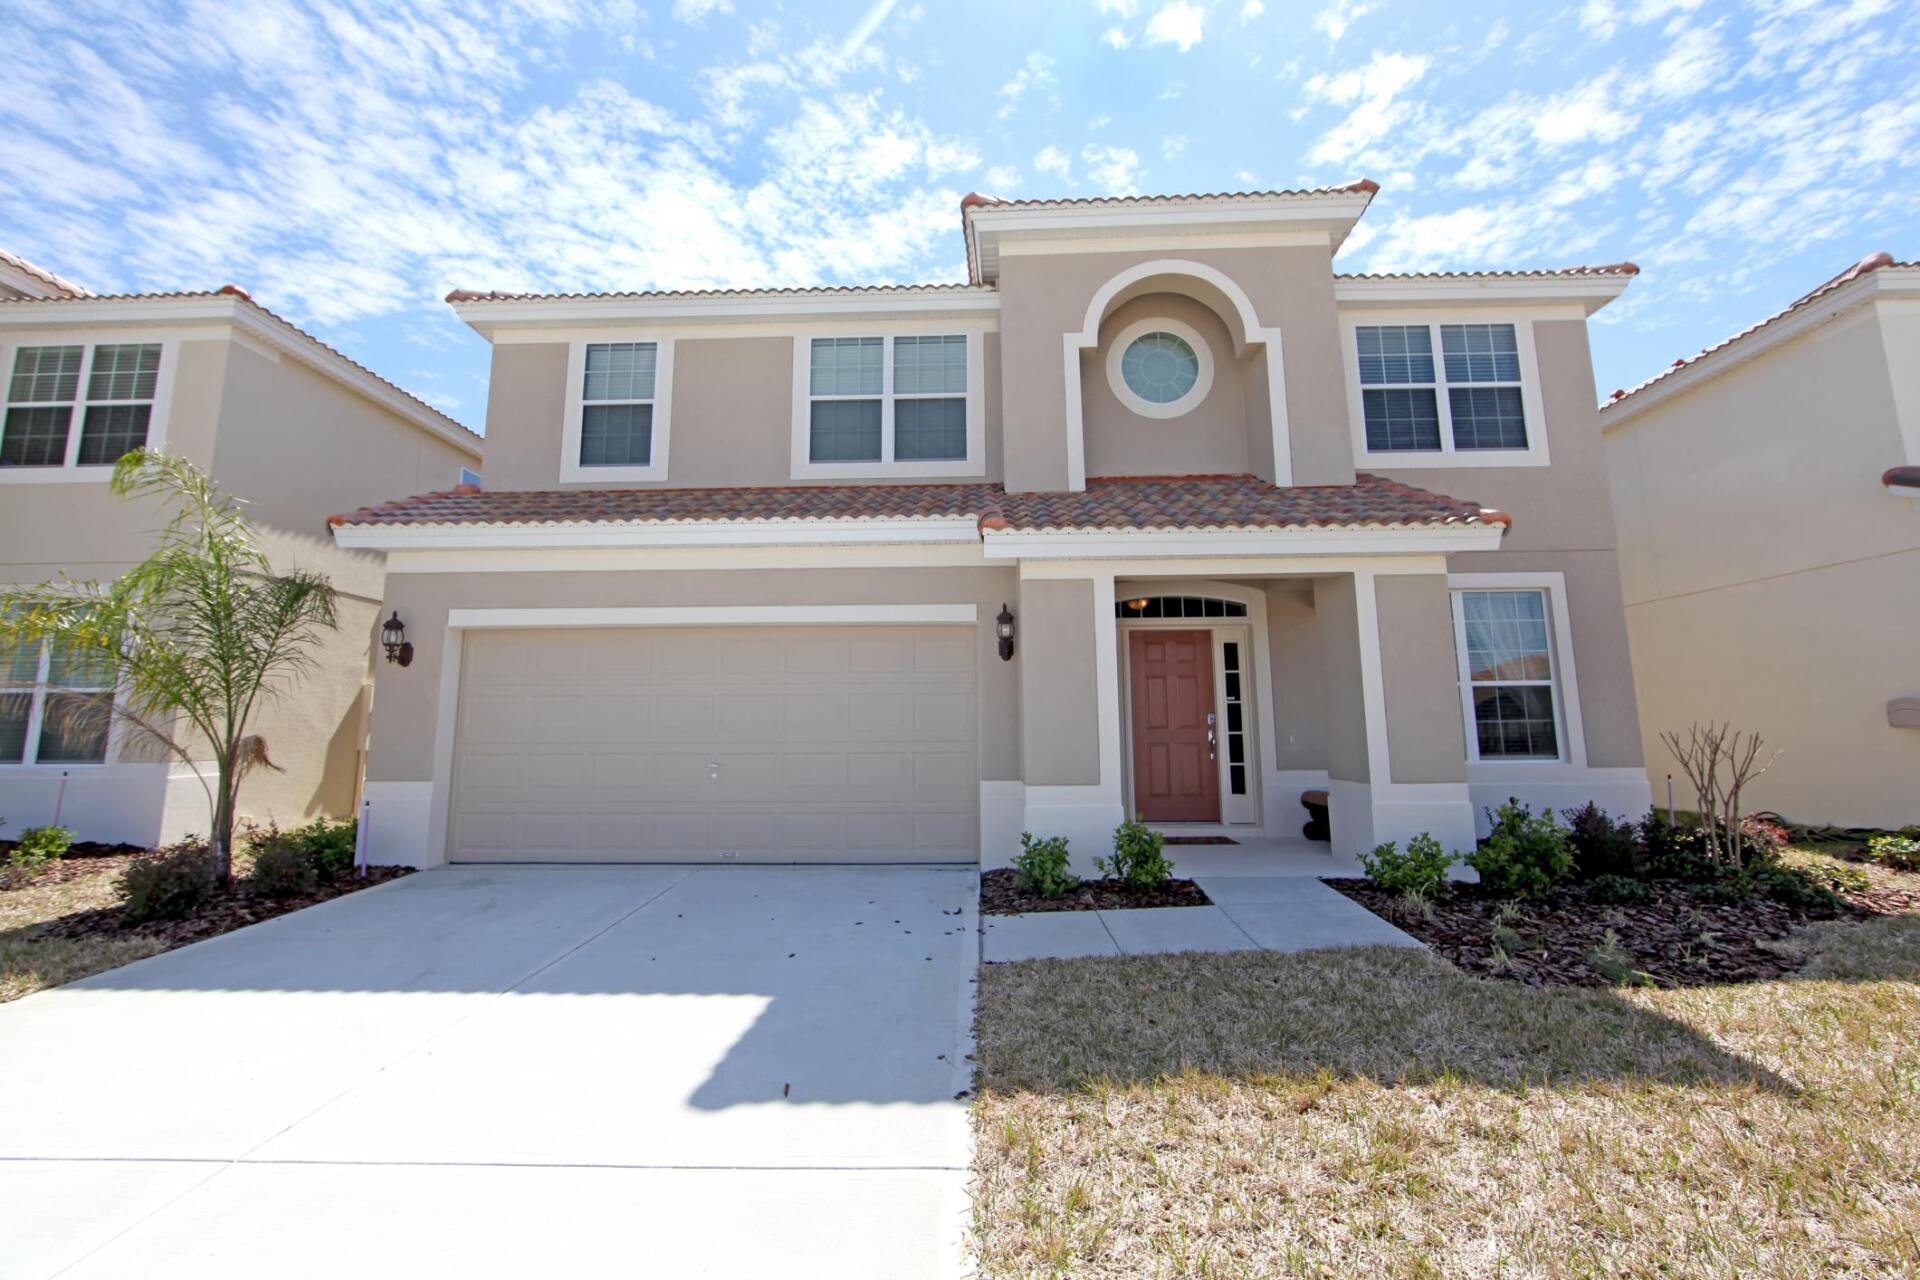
1098	123
1251	10
1179	22
1051	159
943	157
1175	88
1036	72
1334	20
1173	146
863	30
696	11
1116	38
1375	87
1116	170
1118	8
1584	114
1002	178
1695	62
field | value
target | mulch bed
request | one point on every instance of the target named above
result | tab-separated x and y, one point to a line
80	849
1674	937
998	897
232	908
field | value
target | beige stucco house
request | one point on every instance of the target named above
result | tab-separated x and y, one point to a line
1767	493
1157	513
280	420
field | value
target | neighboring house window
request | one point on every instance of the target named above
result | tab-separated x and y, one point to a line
111	387
887	399
616	414
470	476
1507	674
1471	398
55	705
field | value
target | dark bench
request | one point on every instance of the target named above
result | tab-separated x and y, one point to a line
1316	828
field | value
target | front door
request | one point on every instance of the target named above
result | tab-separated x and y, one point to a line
1175	774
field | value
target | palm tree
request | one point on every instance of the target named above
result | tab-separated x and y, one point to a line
197	637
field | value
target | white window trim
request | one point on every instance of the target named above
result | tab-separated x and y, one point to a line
974	464
1116	378
1568	723
70	471
1531	401
36	708
571	471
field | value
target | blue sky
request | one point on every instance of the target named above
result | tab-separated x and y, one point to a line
350	164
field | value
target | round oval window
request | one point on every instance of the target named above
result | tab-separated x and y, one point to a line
1160	367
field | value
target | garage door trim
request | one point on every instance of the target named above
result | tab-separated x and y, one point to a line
460	621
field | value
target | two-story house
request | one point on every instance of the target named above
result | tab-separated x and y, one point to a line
1155	514
1766	491
279	420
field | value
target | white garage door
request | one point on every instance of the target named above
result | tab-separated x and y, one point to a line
755	744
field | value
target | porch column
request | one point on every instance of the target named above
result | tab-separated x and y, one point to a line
1068	656
1396	750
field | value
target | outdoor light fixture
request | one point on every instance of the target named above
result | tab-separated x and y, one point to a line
1003	627
393	635
1138	606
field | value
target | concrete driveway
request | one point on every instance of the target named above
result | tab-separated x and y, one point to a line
511	1072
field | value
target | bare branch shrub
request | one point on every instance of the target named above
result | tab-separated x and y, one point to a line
1720	762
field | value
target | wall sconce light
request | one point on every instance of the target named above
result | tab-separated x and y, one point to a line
1003	627
1138	606
393	636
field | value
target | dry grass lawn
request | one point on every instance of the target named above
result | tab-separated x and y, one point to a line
29	963
1378	1113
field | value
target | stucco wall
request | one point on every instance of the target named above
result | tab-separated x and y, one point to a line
732	420
1425	739
1770	579
1061	740
406	700
1209	439
1336	623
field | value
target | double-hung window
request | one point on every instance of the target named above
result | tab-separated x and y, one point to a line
55	705
78	405
886	401
616	404
1508	680
1442	388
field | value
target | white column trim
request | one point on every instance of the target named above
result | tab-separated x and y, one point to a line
1373	689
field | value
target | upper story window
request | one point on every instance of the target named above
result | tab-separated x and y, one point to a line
904	403
1462	393
79	405
469	476
618	411
1159	367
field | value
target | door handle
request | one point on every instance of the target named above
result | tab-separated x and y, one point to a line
1213	745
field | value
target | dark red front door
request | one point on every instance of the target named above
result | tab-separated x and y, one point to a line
1175	778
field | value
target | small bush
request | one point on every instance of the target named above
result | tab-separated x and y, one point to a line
327	844
1901	852
1837	876
1602	844
1763	838
1677	851
39	848
1137	858
1420	871
282	871
1525	856
1618	890
1041	866
1795	886
172	883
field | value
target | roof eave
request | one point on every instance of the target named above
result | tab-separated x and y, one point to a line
488	316
1589	292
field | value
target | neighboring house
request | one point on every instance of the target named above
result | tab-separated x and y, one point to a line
279	419
1767	493
736	585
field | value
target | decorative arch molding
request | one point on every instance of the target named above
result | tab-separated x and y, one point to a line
1250	332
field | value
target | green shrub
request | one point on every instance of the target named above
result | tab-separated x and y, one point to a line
172	883
1677	851
1041	866
1602	844
1421	870
1795	886
1524	856
1618	890
1137	858
1762	838
327	844
282	871
1837	876
39	848
1901	852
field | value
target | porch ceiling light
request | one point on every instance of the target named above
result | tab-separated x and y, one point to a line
393	637
1003	627
1140	605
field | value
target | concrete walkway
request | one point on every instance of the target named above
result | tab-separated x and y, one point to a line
1250	913
479	1072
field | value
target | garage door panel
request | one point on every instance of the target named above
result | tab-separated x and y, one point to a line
830	744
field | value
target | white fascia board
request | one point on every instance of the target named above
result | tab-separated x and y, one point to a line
251	321
744	615
1757	342
705	533
26	283
1589	293
1158	543
487	317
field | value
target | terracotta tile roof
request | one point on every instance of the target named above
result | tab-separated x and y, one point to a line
236	292
1156	502
975	200
58	284
1604	269
810	291
1866	266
